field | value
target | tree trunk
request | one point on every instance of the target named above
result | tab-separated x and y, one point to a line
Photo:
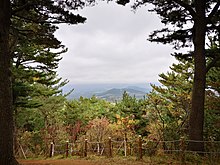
6	111
196	120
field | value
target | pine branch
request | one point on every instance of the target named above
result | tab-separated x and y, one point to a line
212	63
187	7
214	10
21	8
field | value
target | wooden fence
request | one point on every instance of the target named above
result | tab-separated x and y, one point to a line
137	148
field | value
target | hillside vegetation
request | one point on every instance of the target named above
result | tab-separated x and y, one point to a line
162	115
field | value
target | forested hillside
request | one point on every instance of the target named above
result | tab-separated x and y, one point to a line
180	115
163	114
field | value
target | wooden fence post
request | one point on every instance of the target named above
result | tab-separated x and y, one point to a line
125	147
130	146
182	148
51	149
110	146
72	149
140	154
85	148
67	148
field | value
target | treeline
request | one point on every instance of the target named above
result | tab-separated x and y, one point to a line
45	115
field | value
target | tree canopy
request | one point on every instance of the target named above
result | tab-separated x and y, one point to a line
30	53
189	23
27	38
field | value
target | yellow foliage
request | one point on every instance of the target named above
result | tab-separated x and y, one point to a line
117	116
36	78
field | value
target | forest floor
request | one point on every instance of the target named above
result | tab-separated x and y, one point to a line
82	162
88	161
56	162
157	160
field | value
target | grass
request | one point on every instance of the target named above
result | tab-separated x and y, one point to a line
190	159
161	159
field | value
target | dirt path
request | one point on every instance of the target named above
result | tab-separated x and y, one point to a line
55	162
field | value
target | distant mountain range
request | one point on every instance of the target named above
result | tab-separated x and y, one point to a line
116	94
109	92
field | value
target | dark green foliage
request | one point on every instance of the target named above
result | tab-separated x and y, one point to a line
133	109
30	47
188	24
212	105
48	11
78	113
168	105
181	15
87	109
35	50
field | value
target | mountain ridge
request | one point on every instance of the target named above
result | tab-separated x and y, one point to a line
116	94
88	90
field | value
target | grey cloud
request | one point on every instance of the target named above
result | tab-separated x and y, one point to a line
112	47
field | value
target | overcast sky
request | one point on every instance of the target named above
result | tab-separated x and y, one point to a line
112	47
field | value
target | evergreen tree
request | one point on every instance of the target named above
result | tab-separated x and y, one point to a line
78	113
33	15
6	113
133	109
168	105
212	103
190	22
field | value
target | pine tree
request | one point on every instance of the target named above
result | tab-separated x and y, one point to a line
133	109
190	22
33	16
169	104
